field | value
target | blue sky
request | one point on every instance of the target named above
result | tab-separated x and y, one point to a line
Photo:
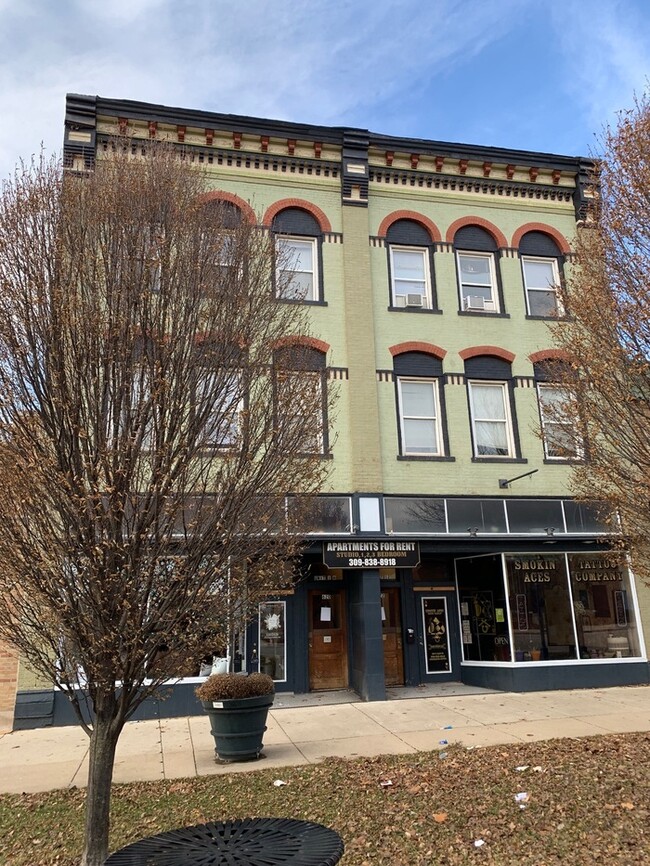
541	75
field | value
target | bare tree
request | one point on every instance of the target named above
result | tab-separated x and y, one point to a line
149	431
606	337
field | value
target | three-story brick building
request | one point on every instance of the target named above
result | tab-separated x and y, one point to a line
447	546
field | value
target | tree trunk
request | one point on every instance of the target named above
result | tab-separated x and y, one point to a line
103	742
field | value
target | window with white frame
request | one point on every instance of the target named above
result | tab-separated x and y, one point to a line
541	263
297	268
477	282
561	439
218	406
491	421
419	411
410	260
301	394
298	243
410	273
541	279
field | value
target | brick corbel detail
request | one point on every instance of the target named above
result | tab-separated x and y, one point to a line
236	140
549	355
415	158
314	210
390	156
431	227
309	342
440	161
209	137
180	132
153	128
559	238
418	346
264	143
496	233
494	351
220	195
510	171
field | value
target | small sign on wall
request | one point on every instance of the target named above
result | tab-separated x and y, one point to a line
436	635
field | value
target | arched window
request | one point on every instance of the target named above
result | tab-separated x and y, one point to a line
298	245
541	264
420	405
490	393
478	283
301	393
557	411
410	264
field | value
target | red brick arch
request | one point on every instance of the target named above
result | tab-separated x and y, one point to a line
557	236
416	346
220	195
297	340
425	222
497	234
549	355
495	351
314	210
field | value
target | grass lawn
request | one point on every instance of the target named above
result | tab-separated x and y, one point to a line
587	802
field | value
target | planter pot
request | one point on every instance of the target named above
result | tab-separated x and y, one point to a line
238	726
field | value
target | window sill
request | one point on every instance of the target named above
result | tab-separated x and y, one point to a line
563	461
483	314
433	310
484	459
299	301
426	458
320	456
546	318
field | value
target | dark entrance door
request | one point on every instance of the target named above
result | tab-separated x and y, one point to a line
328	645
391	632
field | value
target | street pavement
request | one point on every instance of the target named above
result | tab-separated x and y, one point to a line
305	729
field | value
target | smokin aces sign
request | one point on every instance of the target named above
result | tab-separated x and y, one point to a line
371	554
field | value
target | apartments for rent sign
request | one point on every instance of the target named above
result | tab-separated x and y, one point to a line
371	554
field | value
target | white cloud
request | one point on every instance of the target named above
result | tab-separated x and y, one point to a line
320	63
607	55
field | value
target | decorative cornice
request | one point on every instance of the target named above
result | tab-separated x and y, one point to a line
244	206
497	234
418	346
557	236
313	209
507	188
494	351
424	221
548	355
297	340
524	382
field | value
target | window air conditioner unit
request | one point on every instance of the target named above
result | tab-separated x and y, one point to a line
414	301
475	302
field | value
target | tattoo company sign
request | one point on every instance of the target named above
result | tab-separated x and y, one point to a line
371	554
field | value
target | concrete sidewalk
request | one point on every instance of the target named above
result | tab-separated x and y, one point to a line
49	758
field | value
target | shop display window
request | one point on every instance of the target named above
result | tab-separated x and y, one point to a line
483	609
272	640
540	607
602	601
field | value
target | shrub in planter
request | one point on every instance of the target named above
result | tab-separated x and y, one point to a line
237	706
